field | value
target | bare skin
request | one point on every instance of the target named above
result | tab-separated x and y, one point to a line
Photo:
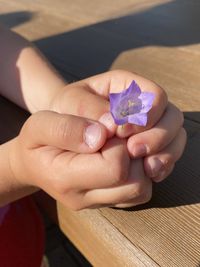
50	153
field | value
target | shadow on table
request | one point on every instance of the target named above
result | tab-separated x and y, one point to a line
15	18
92	49
182	187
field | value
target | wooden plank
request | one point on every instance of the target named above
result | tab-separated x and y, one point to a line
153	223
165	54
176	71
99	241
166	229
80	12
164	232
157	39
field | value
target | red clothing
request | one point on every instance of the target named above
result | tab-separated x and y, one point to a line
21	235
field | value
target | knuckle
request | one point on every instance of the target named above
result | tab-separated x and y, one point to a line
31	125
59	183
144	189
62	129
147	195
28	125
39	115
60	189
81	107
117	172
139	190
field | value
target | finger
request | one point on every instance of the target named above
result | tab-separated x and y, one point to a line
155	139
64	131
99	170
157	166
135	188
118	80
87	104
136	201
90	99
164	174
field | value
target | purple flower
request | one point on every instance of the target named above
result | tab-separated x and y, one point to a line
131	105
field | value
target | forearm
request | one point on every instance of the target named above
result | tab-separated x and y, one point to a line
10	188
26	77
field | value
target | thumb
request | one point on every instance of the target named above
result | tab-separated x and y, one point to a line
63	131
82	101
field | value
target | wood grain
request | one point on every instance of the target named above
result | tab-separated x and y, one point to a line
121	35
164	232
157	39
100	241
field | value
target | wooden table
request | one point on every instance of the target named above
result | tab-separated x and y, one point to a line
157	39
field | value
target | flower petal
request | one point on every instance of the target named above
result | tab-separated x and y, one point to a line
133	91
114	104
115	99
138	119
120	121
147	99
131	105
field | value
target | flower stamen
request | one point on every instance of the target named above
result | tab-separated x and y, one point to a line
131	105
124	113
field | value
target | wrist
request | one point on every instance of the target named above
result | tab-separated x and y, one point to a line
21	183
56	100
47	97
47	85
16	167
11	188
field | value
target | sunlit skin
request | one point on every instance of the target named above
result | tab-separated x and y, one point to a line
103	165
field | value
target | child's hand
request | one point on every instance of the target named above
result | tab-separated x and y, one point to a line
47	154
161	142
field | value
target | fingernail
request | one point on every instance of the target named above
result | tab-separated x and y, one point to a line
139	150
92	135
107	120
156	166
160	177
125	130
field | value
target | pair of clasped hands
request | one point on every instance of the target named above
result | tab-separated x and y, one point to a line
76	153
